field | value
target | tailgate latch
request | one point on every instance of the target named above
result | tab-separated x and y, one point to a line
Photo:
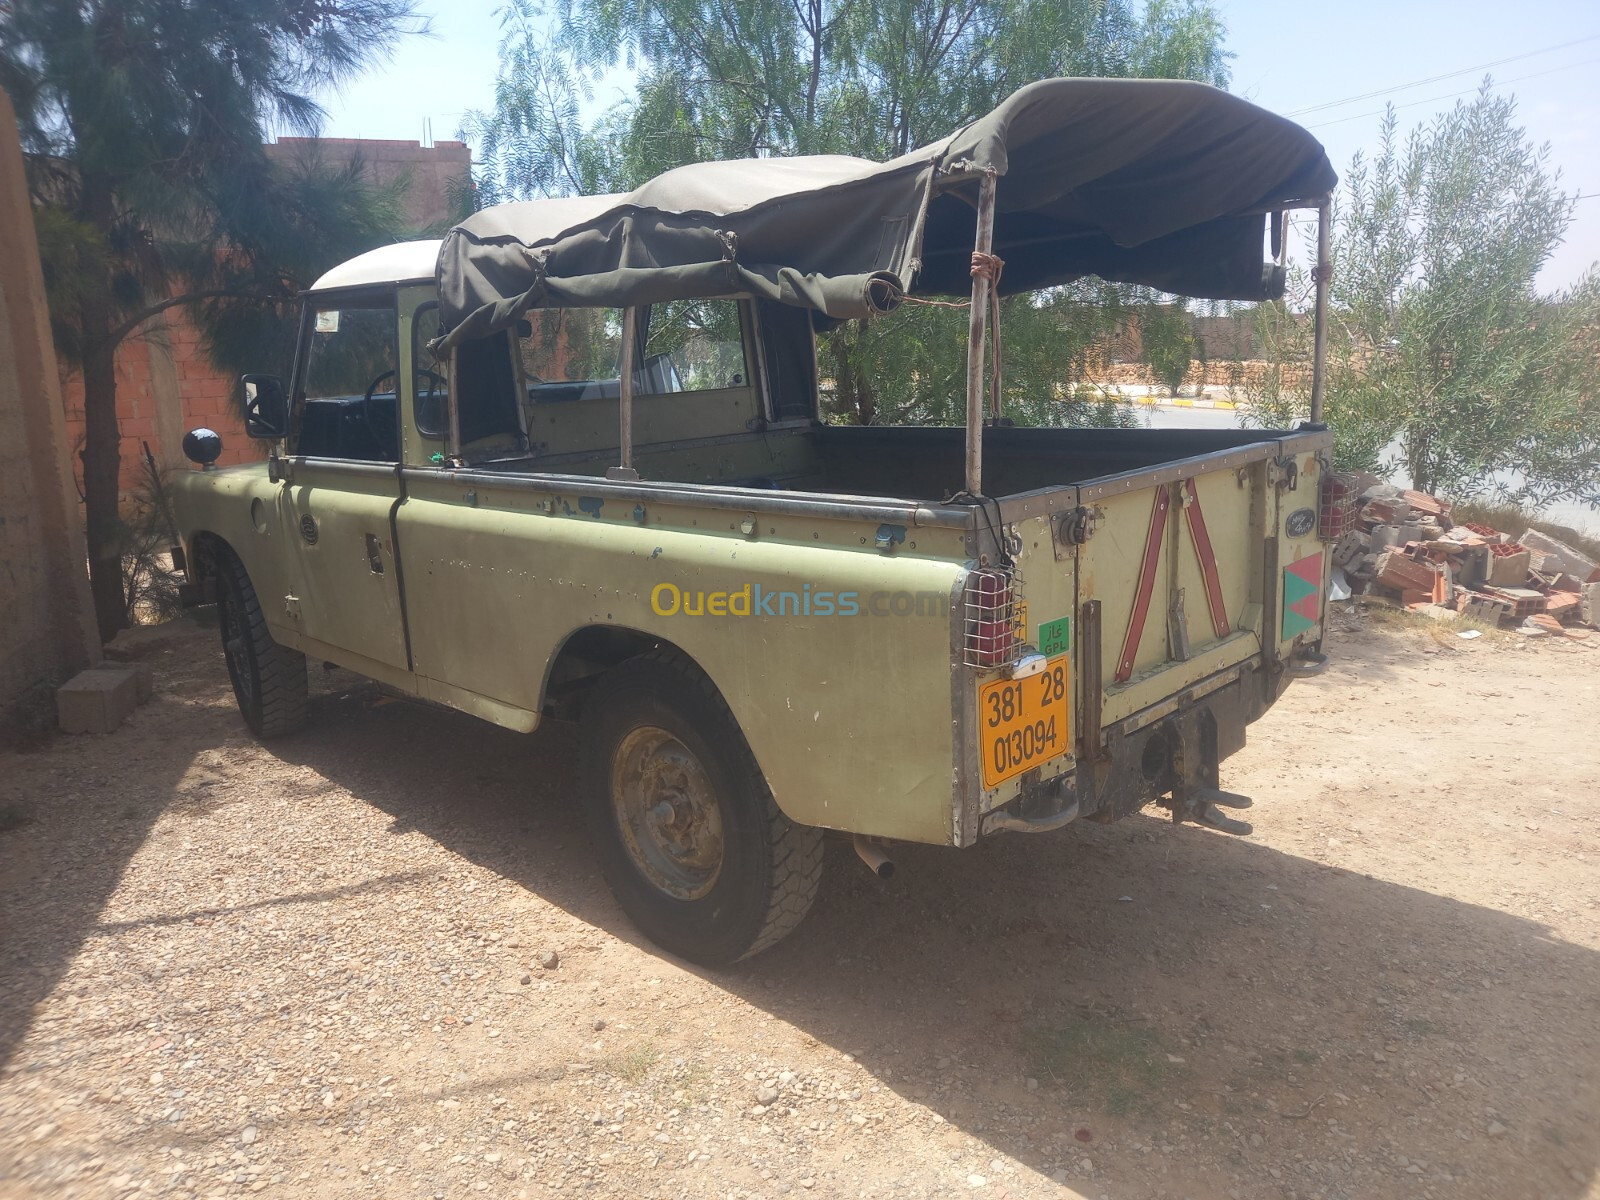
1284	473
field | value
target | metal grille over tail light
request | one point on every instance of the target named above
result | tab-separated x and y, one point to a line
992	638
1336	511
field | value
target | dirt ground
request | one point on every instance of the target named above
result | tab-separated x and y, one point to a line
315	970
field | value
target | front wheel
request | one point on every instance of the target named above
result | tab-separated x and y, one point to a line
269	680
688	835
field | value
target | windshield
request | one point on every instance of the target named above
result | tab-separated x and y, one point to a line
351	351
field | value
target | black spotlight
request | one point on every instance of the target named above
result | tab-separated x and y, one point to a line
202	446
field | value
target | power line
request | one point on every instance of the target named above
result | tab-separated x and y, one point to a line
1499	62
1378	112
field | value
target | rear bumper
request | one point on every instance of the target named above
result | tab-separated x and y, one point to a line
1180	742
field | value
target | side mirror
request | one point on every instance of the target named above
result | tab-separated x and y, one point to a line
266	408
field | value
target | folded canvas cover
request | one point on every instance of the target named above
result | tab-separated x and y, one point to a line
1156	182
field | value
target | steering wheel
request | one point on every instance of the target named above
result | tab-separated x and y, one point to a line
379	440
436	384
439	386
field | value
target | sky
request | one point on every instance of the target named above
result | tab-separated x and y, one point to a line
1319	63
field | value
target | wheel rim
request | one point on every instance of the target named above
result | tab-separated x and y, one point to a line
667	812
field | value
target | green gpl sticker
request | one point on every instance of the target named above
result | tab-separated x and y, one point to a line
1054	637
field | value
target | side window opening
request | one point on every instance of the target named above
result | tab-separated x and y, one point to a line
693	346
787	343
683	346
572	354
486	389
348	396
431	389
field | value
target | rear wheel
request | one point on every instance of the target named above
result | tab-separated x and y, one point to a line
688	835
269	680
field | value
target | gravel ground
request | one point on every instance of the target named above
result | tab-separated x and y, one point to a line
375	961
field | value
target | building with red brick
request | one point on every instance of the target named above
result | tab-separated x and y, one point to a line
165	384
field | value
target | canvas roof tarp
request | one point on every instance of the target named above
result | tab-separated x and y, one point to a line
1157	182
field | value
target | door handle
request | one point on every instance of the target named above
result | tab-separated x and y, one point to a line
374	554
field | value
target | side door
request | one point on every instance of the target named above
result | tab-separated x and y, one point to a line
336	507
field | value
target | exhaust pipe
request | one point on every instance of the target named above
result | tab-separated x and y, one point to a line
877	861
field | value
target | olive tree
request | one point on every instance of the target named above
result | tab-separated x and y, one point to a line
1443	349
1168	344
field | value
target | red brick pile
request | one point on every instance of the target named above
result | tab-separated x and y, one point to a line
1404	547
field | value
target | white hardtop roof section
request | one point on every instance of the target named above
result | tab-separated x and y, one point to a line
402	262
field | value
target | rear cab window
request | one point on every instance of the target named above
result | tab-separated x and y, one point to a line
692	378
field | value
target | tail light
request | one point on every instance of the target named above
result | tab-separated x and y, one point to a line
1337	505
991	604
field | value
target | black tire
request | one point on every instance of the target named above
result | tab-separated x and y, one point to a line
269	680
767	867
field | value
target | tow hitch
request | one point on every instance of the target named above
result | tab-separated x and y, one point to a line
1204	805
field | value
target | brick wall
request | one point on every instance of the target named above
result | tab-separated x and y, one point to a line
165	385
434	172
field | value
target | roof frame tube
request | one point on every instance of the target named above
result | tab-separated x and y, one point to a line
977	328
625	469
1322	277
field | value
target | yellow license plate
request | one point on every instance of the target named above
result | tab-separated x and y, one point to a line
1024	722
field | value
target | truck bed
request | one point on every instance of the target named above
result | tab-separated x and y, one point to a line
916	463
926	463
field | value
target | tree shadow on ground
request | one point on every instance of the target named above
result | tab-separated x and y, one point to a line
1166	988
1175	994
82	826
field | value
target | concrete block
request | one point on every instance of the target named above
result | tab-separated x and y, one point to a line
1398	536
1488	609
96	700
1347	551
1524	601
143	676
1509	564
1557	557
1589	599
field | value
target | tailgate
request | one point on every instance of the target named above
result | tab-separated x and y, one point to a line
1200	565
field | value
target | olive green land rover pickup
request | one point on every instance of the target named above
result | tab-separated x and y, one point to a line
570	462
